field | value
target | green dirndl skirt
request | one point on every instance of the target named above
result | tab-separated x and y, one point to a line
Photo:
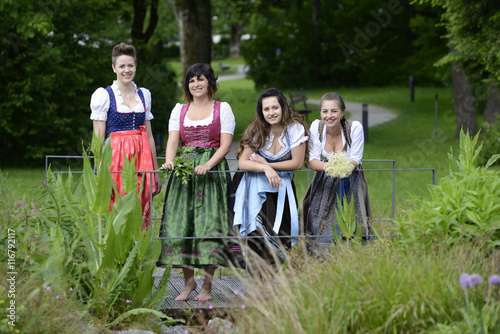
200	208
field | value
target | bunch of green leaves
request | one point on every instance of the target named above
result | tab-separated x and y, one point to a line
183	168
346	222
490	133
106	253
465	205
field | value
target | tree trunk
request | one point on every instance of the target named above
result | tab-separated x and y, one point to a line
195	34
204	24
492	109
235	40
464	102
140	37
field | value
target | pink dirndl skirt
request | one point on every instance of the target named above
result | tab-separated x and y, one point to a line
127	144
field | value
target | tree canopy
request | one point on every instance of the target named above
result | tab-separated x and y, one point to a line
54	54
344	42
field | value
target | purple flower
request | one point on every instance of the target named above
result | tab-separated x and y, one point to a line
185	164
266	296
476	279
57	297
47	287
70	289
465	280
494	280
210	307
128	301
243	307
235	292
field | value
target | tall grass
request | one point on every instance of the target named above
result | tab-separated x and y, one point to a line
377	289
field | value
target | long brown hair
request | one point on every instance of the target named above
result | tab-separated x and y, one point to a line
258	130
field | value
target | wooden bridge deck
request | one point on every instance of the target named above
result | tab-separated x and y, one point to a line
227	292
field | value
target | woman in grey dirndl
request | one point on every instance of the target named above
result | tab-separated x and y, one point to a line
333	133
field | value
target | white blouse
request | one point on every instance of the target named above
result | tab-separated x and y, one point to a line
355	151
99	103
297	135
227	121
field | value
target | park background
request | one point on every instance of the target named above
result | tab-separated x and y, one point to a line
56	53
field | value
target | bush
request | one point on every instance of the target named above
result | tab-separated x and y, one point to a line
490	133
465	205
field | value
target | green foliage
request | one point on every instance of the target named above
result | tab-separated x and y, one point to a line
378	288
183	168
342	43
346	221
464	205
55	54
490	135
102	254
472	28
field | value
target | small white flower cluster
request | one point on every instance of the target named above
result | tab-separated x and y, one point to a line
339	165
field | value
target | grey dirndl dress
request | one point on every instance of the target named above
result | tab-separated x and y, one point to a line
324	195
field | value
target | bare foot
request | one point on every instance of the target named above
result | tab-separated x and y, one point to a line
205	294
188	287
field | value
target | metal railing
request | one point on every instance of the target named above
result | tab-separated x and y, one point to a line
246	238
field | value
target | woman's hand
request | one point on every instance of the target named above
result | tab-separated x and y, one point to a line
157	184
201	169
168	165
273	177
257	158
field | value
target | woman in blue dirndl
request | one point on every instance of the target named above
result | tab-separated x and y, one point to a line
273	145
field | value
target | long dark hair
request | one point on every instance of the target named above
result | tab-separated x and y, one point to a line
258	130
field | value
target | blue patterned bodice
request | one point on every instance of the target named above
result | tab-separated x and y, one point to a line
123	121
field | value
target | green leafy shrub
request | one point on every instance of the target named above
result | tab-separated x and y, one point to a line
103	254
490	133
464	205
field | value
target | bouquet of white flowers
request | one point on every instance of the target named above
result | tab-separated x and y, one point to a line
338	165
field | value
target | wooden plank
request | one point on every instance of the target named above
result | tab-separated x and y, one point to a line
223	293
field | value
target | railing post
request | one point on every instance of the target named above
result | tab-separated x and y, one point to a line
435	116
412	88
365	121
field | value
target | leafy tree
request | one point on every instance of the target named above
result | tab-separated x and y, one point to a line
232	18
472	31
54	55
339	43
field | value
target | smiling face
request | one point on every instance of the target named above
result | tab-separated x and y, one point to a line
271	110
198	86
125	68
331	113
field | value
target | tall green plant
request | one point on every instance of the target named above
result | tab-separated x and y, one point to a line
464	205
346	222
108	254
